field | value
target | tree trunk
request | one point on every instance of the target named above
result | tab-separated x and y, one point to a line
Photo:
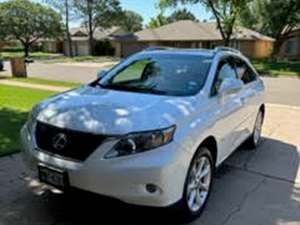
68	30
90	27
276	49
26	49
227	41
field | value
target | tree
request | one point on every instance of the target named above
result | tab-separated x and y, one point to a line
224	11
161	19
181	14
103	13
28	22
158	21
131	21
65	8
276	18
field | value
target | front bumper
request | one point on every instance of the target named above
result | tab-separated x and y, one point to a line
124	178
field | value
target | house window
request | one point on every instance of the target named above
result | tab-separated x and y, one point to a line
291	46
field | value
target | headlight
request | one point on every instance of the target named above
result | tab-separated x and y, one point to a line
141	142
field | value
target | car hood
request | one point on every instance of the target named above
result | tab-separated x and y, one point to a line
104	111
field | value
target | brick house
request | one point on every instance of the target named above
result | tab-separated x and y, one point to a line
189	34
80	39
291	47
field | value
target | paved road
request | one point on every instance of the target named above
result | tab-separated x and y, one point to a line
284	91
251	188
65	72
279	90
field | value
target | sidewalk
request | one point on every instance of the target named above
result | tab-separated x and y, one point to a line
88	64
34	86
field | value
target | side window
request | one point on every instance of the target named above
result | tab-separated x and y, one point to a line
225	70
244	72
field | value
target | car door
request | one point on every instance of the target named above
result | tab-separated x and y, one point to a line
227	109
248	96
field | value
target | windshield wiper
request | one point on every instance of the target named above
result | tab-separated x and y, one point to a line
152	90
142	89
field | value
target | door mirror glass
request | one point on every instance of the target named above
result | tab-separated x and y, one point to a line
230	86
101	74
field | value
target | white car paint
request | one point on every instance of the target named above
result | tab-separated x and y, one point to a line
228	119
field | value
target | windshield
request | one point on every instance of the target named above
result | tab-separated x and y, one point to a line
179	75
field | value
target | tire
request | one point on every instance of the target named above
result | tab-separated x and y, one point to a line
190	205
255	138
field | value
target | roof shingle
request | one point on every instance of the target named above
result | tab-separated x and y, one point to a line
187	30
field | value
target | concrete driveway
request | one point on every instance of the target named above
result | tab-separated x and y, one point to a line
260	187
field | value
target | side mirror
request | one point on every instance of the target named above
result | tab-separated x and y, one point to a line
230	86
101	74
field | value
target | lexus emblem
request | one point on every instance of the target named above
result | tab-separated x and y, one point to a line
59	141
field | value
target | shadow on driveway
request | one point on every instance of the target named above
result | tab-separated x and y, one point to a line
252	187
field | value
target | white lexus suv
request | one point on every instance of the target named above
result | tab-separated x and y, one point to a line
151	130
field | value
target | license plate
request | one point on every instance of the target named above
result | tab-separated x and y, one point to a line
53	177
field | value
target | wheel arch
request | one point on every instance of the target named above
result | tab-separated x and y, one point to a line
211	143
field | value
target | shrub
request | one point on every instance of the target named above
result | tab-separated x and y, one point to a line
104	48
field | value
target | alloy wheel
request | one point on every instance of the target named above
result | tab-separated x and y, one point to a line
257	129
199	182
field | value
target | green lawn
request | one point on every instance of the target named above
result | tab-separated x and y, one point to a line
15	103
278	68
33	80
38	54
88	58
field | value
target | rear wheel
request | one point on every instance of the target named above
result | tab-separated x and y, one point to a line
198	184
255	138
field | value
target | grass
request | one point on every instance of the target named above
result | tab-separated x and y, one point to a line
38	54
99	59
33	80
15	103
278	68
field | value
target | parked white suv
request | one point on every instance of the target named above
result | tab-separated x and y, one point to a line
151	130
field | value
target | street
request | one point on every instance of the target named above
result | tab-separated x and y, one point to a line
281	90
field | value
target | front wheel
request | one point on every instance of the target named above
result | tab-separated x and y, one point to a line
255	138
197	185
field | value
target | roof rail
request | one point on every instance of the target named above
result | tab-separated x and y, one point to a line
157	48
223	48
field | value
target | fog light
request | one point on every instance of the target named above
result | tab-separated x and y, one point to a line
151	188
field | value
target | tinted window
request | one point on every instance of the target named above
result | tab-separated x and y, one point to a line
160	74
244	72
225	70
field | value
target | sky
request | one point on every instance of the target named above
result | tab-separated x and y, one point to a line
148	9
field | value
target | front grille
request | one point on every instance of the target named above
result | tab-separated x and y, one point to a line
67	143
